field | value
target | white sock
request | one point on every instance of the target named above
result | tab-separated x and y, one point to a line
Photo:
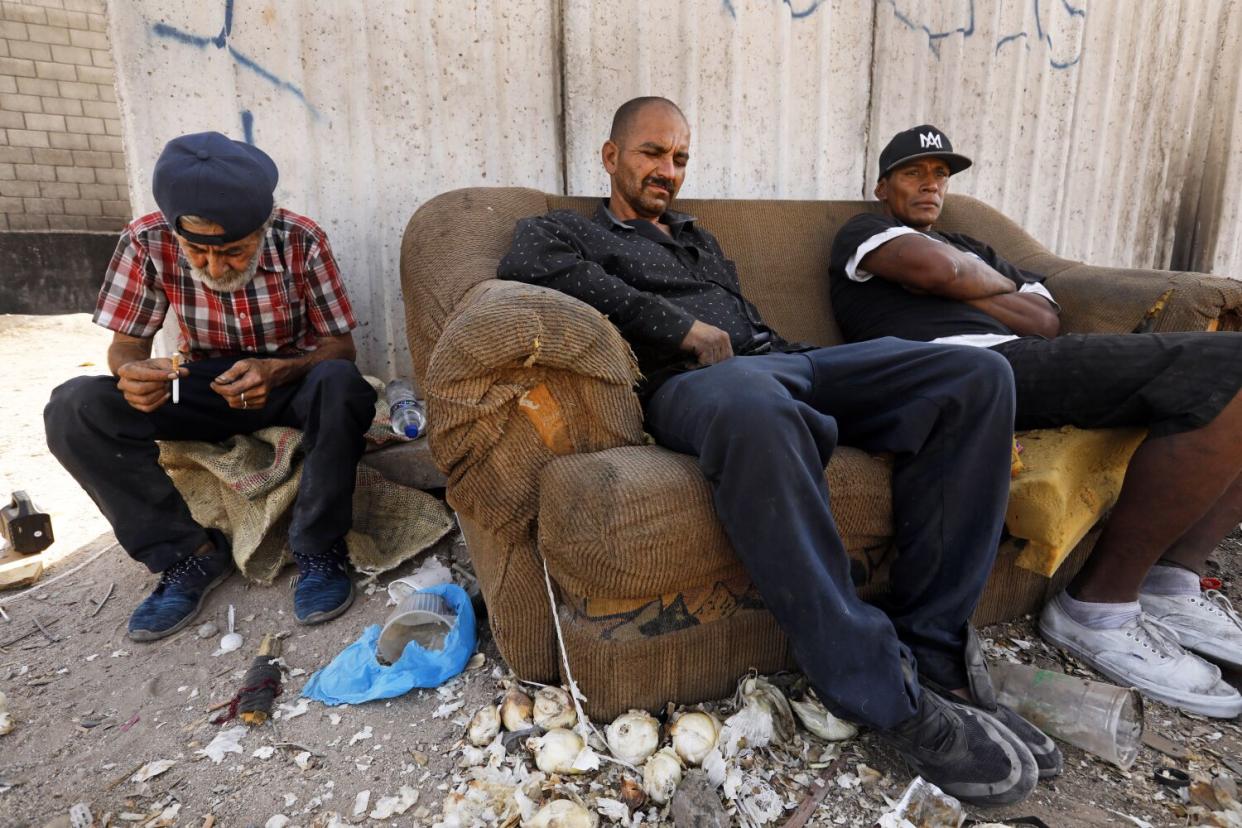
1166	579
1099	616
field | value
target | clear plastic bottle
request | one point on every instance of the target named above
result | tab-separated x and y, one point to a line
404	409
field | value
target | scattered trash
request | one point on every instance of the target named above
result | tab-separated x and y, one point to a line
360	802
923	805
292	710
562	813
361	735
80	816
390	806
226	741
420	617
6	721
264	752
355	675
208	629
431	573
1102	719
231	640
133	720
302	759
816	718
152	769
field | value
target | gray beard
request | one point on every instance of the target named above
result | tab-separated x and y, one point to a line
231	280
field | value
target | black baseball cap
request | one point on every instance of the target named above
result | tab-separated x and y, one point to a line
924	141
209	175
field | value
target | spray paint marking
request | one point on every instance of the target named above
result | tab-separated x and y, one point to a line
1045	37
967	29
804	8
221	41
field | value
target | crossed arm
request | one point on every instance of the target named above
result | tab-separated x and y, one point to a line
144	380
924	265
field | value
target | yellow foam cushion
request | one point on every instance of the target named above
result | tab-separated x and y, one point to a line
1069	478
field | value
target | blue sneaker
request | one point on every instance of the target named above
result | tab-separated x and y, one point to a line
181	592
324	589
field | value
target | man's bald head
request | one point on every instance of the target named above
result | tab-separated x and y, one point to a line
629	111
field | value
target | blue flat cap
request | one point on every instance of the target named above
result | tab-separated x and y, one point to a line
209	175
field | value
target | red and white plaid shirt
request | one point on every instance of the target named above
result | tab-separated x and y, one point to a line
295	297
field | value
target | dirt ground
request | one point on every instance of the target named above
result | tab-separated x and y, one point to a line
92	708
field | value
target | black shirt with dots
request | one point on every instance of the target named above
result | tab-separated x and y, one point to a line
652	285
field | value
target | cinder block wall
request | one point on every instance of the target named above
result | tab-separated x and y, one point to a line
61	164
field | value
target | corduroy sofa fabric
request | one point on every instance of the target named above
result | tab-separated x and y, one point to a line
534	423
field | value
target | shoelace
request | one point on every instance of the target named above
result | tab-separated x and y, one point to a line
177	573
319	565
1156	636
1217	601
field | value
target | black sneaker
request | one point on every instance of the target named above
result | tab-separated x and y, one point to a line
1047	755
324	589
965	752
181	591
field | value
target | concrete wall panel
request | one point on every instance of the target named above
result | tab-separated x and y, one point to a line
368	109
1109	129
776	93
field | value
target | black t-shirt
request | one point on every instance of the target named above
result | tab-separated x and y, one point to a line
877	307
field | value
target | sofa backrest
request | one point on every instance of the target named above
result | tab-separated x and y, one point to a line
781	249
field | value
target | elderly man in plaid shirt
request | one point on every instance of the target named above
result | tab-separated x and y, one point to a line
264	322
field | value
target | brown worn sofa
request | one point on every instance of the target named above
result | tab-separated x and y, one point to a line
535	425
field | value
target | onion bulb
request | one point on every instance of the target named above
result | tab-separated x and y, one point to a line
484	726
633	736
694	734
553	708
515	710
662	775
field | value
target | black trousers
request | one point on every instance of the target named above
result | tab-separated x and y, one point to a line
763	429
1169	382
110	449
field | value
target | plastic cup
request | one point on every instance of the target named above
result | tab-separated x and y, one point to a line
421	617
1102	719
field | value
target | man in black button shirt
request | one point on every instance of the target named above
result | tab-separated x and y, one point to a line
763	416
892	274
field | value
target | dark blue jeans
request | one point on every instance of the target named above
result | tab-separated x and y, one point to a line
109	447
764	428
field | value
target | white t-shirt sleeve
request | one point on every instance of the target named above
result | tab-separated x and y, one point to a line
1040	290
851	267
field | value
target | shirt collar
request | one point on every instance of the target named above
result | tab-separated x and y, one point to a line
674	220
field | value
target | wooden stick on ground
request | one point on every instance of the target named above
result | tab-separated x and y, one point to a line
811	803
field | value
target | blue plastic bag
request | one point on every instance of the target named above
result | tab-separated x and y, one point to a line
356	676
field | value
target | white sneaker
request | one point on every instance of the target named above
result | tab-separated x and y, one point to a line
1204	622
1146	655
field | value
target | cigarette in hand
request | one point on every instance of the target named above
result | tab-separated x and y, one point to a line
176	389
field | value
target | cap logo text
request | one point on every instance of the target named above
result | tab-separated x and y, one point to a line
930	139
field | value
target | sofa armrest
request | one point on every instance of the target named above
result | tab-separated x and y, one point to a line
1115	300
521	375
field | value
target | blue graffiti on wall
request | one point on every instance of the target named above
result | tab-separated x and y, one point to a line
221	41
966	28
798	10
1045	37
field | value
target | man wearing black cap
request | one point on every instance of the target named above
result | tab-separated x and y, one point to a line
763	416
264	320
1136	611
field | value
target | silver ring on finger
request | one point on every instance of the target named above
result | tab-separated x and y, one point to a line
243	399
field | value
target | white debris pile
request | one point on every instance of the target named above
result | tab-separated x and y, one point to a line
531	761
